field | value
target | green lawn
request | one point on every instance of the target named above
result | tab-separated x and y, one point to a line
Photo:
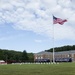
38	69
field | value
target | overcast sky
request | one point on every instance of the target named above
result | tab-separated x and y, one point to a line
28	24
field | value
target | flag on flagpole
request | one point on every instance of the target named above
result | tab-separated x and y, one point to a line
58	20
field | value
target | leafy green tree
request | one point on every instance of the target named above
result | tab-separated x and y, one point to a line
30	57
63	48
24	56
1	54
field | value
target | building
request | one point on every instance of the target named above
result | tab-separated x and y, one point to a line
2	62
49	55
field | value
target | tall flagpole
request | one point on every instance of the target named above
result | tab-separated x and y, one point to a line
55	21
53	40
53	45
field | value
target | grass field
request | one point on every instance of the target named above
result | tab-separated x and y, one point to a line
38	69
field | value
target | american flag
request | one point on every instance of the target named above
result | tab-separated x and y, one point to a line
58	20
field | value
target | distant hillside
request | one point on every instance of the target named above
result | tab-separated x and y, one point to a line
15	56
63	48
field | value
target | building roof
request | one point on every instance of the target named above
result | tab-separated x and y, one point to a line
43	52
62	52
2	61
66	52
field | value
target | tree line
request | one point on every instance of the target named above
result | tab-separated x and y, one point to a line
63	48
12	56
